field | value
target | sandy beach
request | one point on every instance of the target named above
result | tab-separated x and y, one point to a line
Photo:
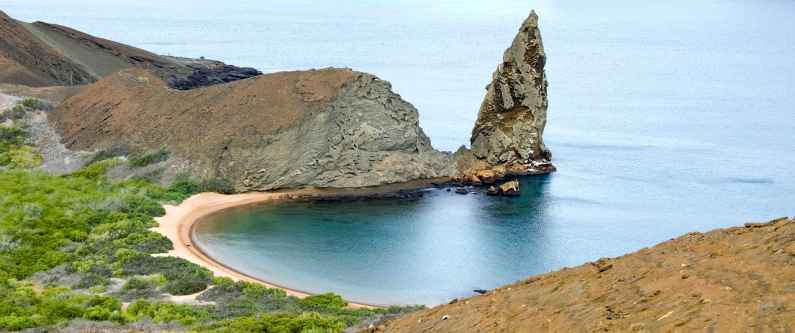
177	224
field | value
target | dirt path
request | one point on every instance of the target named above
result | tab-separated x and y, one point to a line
7	101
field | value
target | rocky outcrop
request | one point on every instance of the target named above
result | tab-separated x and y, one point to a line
43	54
728	280
510	189
508	135
206	73
319	128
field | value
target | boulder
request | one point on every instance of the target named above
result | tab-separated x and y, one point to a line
510	189
487	176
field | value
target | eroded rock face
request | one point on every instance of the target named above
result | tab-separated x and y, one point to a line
366	136
508	135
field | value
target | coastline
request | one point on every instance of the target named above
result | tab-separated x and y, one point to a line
179	221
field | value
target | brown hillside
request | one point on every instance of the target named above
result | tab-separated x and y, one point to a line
98	56
728	280
24	59
43	54
137	108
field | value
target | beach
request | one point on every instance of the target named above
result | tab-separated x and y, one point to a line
178	222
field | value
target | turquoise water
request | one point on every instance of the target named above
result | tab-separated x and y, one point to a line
664	118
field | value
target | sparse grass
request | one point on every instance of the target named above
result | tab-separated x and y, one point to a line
147	158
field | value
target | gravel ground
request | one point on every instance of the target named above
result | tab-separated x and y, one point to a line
58	159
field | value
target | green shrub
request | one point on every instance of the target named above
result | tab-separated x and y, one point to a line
148	158
167	312
182	277
21	307
36	104
278	323
107	154
184	186
21	157
16	113
91	280
324	301
14	150
96	170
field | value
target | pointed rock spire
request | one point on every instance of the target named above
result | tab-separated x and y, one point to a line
508	135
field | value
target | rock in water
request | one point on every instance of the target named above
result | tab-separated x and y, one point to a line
510	189
508	135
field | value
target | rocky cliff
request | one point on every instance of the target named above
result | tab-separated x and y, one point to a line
728	280
319	128
42	54
508	135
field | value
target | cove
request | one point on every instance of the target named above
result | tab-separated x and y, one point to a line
407	251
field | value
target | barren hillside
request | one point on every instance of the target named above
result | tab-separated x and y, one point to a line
729	280
43	54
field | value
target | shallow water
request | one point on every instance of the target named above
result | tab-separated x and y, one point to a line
664	118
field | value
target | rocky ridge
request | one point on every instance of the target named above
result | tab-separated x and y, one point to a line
43	54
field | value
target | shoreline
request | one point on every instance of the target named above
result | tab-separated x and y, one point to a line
179	222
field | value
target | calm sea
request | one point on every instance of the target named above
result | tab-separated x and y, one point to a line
665	118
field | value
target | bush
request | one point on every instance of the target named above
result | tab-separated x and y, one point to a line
14	150
323	301
148	158
96	170
184	186
35	104
21	307
138	288
107	154
278	323
182	277
167	312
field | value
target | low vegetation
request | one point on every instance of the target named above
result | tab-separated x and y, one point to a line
73	248
15	149
149	157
